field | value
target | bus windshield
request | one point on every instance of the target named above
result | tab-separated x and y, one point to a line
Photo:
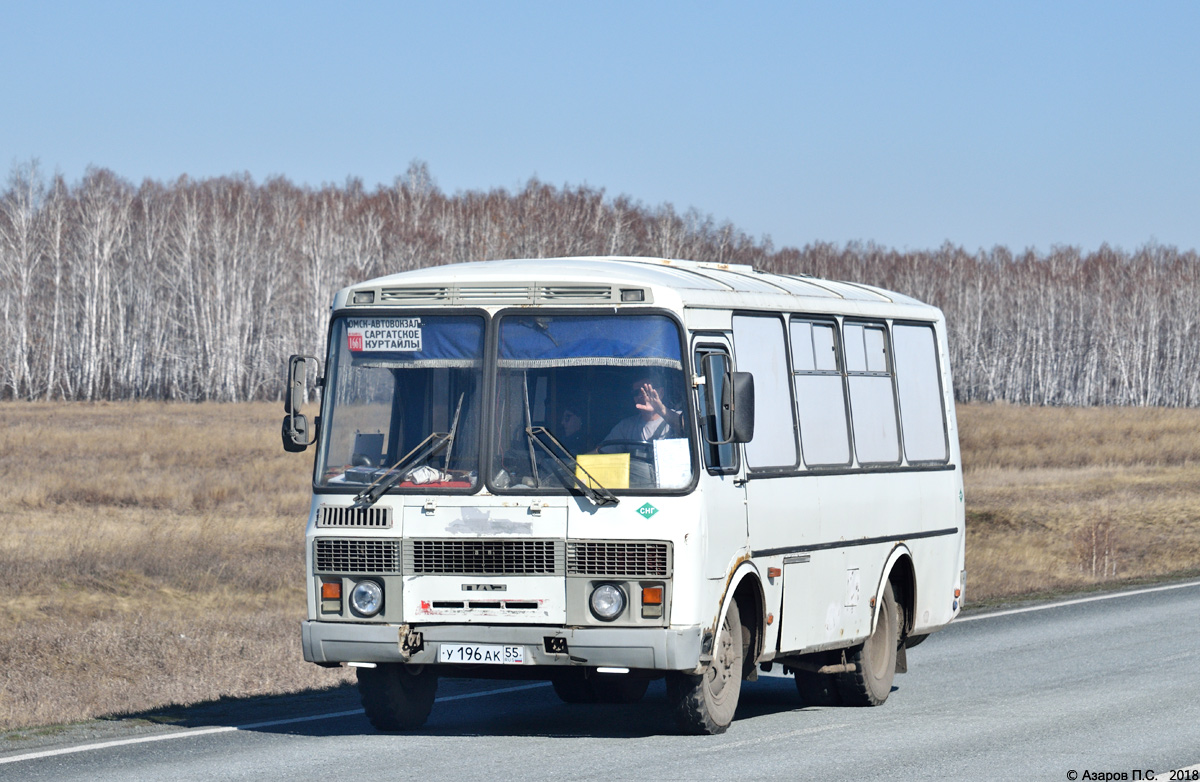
598	399
403	396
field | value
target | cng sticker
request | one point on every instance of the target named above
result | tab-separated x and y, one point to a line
647	510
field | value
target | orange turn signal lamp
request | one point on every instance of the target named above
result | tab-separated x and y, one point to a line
331	590
652	596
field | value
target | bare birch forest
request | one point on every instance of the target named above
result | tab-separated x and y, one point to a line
200	289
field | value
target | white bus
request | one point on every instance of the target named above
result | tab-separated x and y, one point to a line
602	471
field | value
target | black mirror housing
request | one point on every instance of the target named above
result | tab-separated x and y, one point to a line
293	391
742	404
296	433
733	417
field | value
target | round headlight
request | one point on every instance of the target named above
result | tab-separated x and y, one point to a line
367	598
608	601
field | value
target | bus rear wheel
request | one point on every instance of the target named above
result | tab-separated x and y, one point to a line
397	697
705	704
875	661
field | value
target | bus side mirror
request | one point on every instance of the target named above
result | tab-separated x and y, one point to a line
295	431
738	408
732	395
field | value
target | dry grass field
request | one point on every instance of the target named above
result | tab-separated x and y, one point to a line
1067	498
152	554
149	554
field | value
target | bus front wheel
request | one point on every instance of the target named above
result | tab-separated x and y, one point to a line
573	686
397	697
705	704
875	661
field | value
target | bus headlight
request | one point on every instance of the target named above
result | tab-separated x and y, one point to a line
367	598
608	601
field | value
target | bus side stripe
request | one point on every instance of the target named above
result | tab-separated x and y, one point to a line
937	533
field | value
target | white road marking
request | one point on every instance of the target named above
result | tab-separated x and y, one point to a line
492	692
774	737
1077	601
193	733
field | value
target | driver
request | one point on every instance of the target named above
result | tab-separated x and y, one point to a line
653	420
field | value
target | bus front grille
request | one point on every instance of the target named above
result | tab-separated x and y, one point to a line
373	517
618	558
488	557
484	557
356	555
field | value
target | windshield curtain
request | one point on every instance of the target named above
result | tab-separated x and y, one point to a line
396	382
579	380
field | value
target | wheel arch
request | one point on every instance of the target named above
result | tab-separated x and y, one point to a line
901	573
745	586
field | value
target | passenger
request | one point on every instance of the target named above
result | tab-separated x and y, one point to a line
570	430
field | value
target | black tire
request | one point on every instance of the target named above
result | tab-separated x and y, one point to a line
875	661
573	686
619	688
397	697
705	704
818	689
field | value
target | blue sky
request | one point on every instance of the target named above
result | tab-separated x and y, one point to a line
907	124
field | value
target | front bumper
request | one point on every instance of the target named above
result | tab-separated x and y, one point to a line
651	648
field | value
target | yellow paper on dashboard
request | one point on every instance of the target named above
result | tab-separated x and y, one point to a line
609	470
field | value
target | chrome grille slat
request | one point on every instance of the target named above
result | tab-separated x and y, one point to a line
356	555
373	517
618	558
483	557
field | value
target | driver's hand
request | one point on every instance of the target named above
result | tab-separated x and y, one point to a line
651	401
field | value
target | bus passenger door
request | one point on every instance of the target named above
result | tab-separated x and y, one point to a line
720	478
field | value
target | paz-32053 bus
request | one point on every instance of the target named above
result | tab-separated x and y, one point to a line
603	471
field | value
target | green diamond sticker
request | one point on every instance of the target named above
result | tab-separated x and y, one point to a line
647	510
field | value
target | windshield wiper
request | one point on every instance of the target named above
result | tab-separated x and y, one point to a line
424	450
450	434
597	493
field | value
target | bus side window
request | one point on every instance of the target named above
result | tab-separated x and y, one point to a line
761	349
820	396
918	382
721	459
872	398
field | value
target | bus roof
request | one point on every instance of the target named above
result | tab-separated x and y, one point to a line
603	279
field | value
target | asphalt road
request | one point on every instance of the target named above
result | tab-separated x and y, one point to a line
1096	688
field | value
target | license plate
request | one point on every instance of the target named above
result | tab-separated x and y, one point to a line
487	654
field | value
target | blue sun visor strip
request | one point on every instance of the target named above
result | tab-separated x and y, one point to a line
589	340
